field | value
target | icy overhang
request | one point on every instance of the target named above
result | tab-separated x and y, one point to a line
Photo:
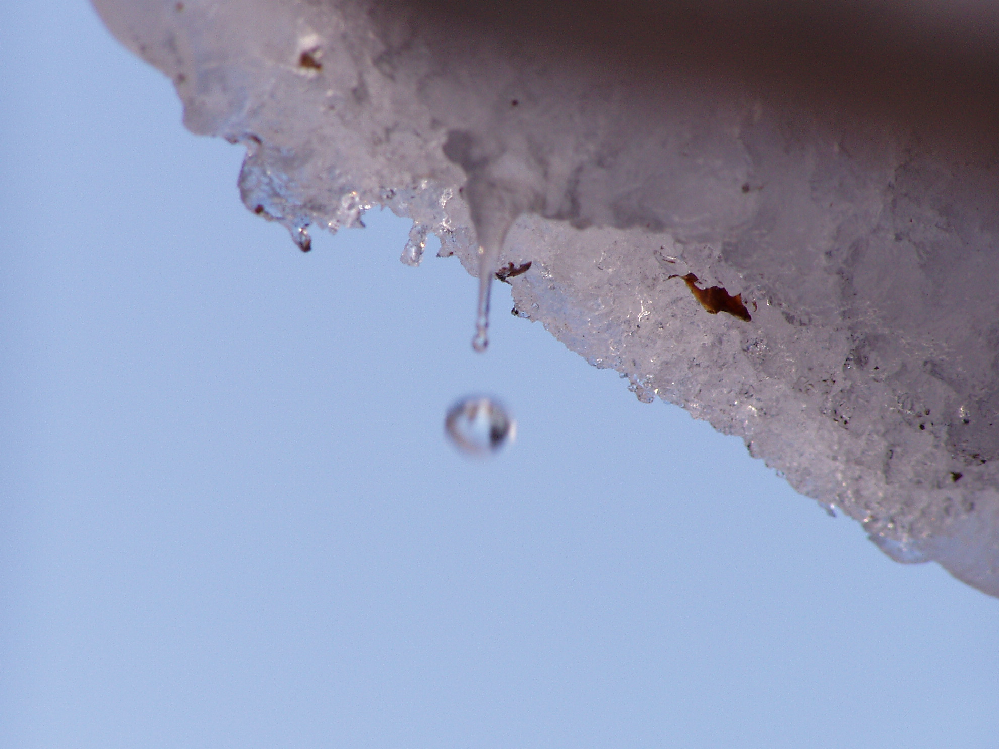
782	217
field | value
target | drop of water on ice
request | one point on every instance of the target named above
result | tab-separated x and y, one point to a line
301	236
480	342
479	425
644	393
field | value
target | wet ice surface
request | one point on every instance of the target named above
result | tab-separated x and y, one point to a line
479	426
861	358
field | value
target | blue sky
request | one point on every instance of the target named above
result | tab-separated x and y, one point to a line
229	516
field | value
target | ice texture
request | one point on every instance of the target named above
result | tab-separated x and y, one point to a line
661	167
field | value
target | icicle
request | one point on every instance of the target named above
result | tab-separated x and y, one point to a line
412	253
488	261
494	210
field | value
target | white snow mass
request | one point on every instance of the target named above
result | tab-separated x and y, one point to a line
783	219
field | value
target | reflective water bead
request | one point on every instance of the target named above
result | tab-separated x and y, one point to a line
479	425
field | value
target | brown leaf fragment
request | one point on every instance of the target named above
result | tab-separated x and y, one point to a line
309	59
716	299
510	270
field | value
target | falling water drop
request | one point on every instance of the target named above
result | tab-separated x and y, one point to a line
479	425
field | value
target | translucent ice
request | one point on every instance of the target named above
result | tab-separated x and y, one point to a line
412	252
779	217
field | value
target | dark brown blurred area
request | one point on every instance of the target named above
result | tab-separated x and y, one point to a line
926	65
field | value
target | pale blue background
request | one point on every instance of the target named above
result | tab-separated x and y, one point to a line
229	517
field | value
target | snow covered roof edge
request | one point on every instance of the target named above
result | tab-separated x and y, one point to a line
813	273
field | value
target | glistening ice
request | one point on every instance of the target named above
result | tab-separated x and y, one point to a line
782	219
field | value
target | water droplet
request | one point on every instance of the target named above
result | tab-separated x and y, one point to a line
644	393
479	425
480	342
412	253
300	234
494	210
486	269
